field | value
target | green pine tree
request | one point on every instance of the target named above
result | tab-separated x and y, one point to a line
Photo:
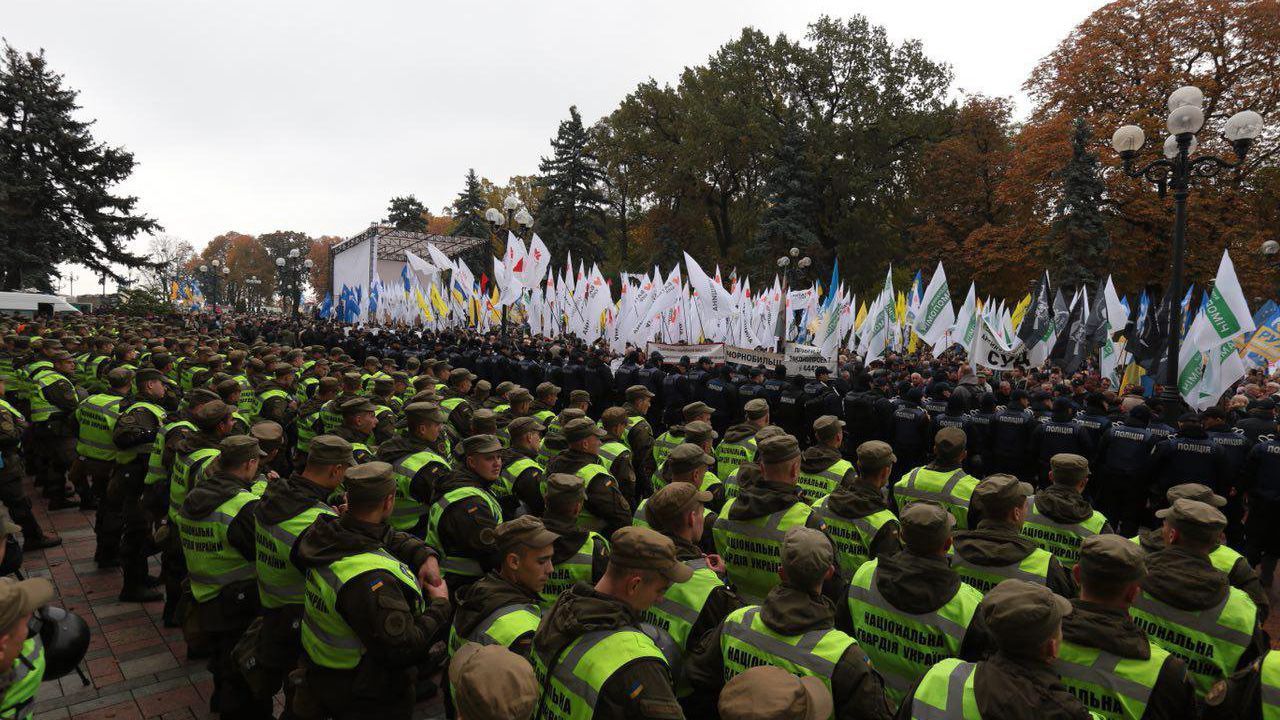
1078	238
408	213
56	203
468	209
788	219
571	212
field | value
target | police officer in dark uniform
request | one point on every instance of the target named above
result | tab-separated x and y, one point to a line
820	398
753	387
698	377
774	386
597	380
1262	486
1122	459
651	377
935	402
722	395
625	376
1059	433
1235	448
977	428
1093	418
1011	438
789	410
1187	457
909	434
675	393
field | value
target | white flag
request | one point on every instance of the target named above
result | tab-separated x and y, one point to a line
935	314
1226	312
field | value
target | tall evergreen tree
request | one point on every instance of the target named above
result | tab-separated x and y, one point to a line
789	217
468	209
1078	236
571	213
56	203
407	213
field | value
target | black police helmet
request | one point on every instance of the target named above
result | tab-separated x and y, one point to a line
66	639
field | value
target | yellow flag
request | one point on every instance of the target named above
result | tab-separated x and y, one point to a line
900	311
1020	310
438	302
862	315
1132	376
422	305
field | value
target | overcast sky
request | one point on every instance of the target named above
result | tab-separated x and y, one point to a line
262	115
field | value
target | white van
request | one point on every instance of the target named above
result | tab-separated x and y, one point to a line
25	304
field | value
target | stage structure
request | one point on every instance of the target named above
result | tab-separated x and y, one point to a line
379	252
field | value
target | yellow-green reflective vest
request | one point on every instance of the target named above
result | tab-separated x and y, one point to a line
946	693
1063	540
94	380
280	582
640	519
457	566
506	485
409	514
821	484
41	409
330	418
308	428
545	417
326	637
28	672
1224	558
155	464
903	645
746	642
611	451
1034	568
1109	686
262	399
663	445
752	549
576	568
97	416
731	455
1210	641
186	470
6	371
212	563
1269	680
503	627
586	520
852	536
82	369
585	665
124	456
677	611
31	373
949	488
248	404
731	487
303	392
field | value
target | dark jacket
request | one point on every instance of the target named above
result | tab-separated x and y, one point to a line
527	487
997	543
1111	630
463	524
858	690
1241	576
1064	505
639	690
604	497
485	597
1014	689
856	500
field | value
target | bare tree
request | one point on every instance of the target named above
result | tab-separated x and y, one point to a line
170	255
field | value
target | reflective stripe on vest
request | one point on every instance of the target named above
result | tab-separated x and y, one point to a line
677	611
951	490
1113	687
586	520
458	565
574	685
946	693
182	480
852	536
1269	679
574	569
752	549
731	455
1210	641
1034	568
408	512
41	408
663	445
326	637
902	645
611	451
155	464
280	582
262	399
821	484
1063	540
28	672
212	563
503	627
747	642
124	456
506	485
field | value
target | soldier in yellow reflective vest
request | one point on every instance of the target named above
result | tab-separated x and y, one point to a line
739	445
142	415
544	406
456	405
1106	660
461	521
997	550
418	469
520	487
1251	694
605	510
359	418
616	454
667	441
857	516
1188	607
13	427
793	629
275	397
1060	517
591	655
21	654
501	608
53	402
639	435
943	481
822	468
371	610
216	527
1018	682
580	555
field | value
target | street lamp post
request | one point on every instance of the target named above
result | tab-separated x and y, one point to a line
291	271
254	282
789	264
1175	170
515	218
211	277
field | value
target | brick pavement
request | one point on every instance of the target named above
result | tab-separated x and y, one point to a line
137	668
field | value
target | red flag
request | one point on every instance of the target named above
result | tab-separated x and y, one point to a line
484	280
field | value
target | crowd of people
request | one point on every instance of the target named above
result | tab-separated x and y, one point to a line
361	518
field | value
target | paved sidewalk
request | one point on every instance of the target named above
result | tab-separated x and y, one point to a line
137	668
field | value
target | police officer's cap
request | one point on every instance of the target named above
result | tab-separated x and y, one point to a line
756	408
330	450
369	481
1112	558
874	455
522	425
581	429
1068	468
1197	492
481	445
640	548
638	392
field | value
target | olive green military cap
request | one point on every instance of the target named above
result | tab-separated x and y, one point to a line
613	416
369	481
1113	558
519	395
504	387
1000	491
351	406
687	457
492	683
211	413
699	431
546	389
925	525
147	375
1195	491
696	409
779	449
638	392
481	445
561	485
1022	616
665	508
269	433
424	412
756	408
522	425
330	450
526	530
807	555
581	429
826	427
640	548
768	692
1194	519
949	441
237	449
119	377
875	455
1068	468
579	396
